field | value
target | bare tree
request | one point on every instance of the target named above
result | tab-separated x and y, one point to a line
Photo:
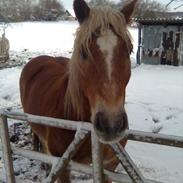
172	1
101	3
23	10
48	9
16	10
147	8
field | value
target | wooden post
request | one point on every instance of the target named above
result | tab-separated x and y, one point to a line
127	163
138	56
8	163
98	174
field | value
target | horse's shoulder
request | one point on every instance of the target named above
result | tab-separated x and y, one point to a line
61	59
45	61
44	65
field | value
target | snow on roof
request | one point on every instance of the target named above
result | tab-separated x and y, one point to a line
169	21
162	17
71	11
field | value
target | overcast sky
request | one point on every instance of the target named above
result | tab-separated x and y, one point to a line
68	4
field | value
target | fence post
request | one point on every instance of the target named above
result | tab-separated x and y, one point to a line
97	160
8	163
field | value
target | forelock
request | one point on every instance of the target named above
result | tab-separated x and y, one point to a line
103	18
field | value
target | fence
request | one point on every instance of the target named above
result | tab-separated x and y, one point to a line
82	130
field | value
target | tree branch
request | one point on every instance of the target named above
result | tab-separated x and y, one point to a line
170	3
178	7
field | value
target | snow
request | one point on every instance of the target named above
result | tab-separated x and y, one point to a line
153	103
9	82
71	11
44	36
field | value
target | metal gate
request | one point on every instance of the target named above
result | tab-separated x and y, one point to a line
82	130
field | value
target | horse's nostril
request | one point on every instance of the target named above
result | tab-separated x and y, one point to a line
120	127
121	122
115	125
101	122
98	120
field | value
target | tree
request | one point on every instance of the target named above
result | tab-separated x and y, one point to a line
48	9
23	10
16	10
102	2
172	1
147	8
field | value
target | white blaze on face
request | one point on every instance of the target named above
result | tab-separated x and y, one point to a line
107	42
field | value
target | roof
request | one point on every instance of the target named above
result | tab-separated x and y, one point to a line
160	21
165	18
71	12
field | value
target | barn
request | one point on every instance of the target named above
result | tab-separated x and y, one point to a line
160	40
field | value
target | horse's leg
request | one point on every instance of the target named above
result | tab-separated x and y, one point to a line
111	167
35	142
65	177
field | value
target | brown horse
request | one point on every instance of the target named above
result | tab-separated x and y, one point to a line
90	86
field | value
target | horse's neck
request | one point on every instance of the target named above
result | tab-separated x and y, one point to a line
84	113
77	105
87	111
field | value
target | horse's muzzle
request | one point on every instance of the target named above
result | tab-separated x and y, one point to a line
110	128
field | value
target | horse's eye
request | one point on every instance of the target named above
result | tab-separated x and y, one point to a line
97	32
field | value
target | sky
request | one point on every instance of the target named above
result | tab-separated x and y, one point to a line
68	4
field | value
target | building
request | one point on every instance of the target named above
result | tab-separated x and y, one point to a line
160	40
70	15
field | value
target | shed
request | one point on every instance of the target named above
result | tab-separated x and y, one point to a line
160	41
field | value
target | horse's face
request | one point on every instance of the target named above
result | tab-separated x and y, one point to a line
104	60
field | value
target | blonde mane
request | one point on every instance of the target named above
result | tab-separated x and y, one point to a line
100	18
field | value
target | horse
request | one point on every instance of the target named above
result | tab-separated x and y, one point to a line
90	86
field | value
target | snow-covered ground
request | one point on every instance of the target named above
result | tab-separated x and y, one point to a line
154	95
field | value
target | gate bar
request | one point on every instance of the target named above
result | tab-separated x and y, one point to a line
117	177
169	140
127	163
6	147
61	165
97	159
135	135
53	122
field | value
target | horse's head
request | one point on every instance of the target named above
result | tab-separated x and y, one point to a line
102	59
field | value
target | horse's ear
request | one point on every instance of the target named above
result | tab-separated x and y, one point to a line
81	10
128	10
